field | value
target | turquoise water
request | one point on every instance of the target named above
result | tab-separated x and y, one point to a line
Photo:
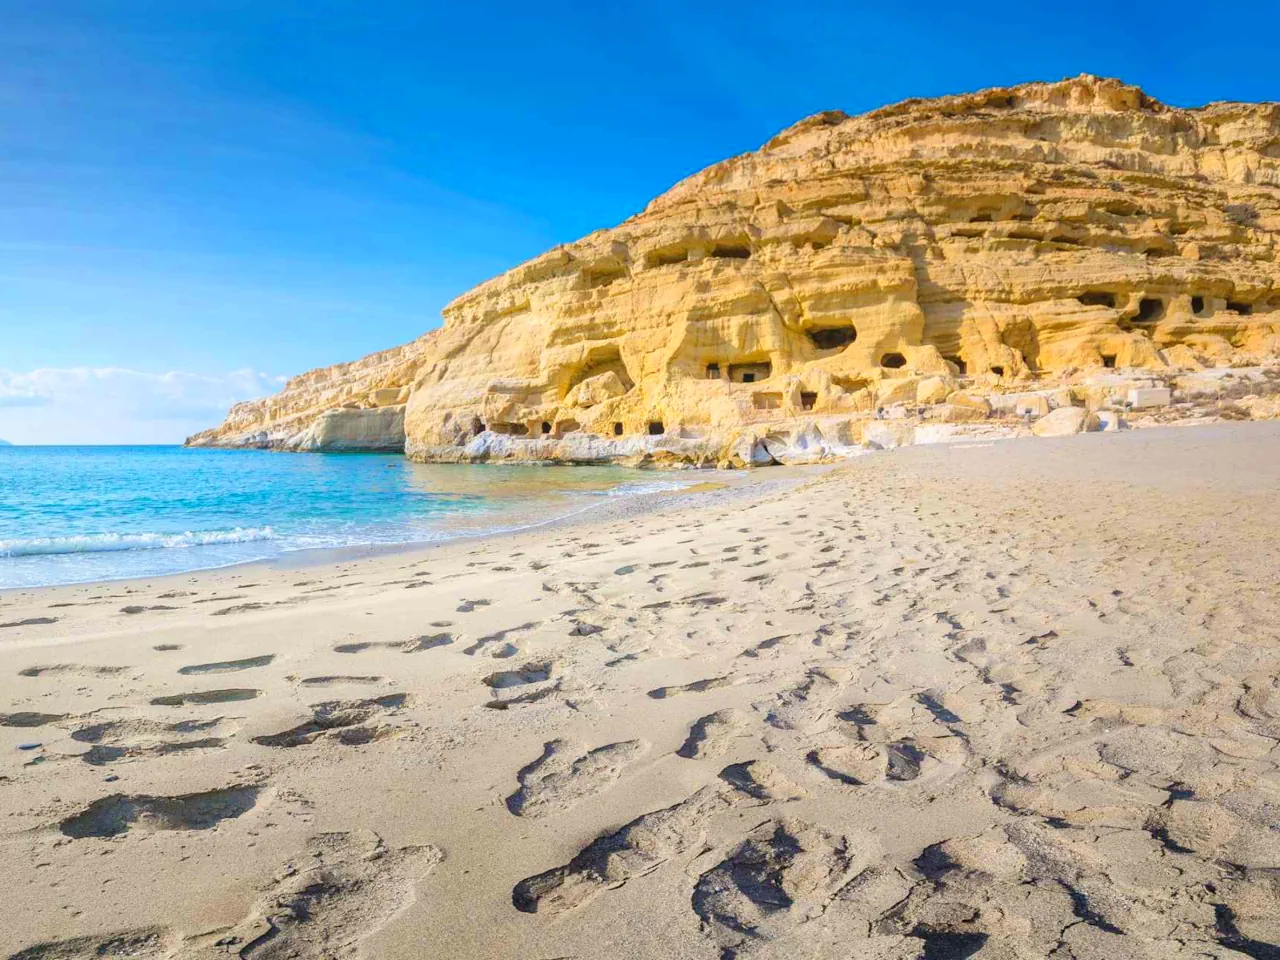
76	514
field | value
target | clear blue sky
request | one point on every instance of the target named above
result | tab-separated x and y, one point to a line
197	197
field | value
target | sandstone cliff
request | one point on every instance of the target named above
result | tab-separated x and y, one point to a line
1013	240
349	406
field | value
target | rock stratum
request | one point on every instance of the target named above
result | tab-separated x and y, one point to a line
915	271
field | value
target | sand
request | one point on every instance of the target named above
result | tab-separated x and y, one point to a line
1014	699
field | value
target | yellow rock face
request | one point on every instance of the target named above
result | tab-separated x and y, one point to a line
776	300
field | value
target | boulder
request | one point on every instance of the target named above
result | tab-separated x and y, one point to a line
971	402
957	413
1066	421
1146	398
890	392
932	390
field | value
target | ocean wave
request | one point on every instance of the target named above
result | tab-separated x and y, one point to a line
113	542
640	487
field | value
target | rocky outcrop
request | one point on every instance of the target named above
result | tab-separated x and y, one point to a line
349	406
925	255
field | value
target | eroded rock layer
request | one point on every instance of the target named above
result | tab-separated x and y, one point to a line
349	406
926	253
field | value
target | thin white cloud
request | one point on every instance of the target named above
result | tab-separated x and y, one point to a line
119	405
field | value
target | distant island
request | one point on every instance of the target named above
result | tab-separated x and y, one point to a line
5	443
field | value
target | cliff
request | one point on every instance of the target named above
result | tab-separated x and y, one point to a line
349	406
927	254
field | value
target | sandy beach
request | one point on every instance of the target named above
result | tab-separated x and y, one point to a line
995	700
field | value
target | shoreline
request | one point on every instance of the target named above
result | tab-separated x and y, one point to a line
738	483
306	557
302	557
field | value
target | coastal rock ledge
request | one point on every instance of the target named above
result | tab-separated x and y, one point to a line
858	281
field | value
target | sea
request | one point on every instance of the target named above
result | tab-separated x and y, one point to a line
82	514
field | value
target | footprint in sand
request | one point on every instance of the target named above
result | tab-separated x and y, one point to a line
698	686
762	781
764	646
427	642
29	719
71	669
138	739
29	622
535	672
243	608
102	754
637	848
343	721
204	697
120	813
711	735
805	706
467	606
853	765
227	666
564	775
338	679
499	641
782	875
347	887
416	645
147	943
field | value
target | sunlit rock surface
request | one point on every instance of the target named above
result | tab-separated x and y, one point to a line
1071	240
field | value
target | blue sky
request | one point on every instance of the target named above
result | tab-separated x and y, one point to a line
198	198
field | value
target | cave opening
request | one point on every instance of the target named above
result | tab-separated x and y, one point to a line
731	252
893	361
713	371
656	429
998	370
961	367
832	338
1097	298
1109	361
509	429
546	427
750	372
1150	309
808	400
666	258
1197	305
1240	307
617	429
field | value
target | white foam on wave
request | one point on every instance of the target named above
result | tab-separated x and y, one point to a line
114	542
640	487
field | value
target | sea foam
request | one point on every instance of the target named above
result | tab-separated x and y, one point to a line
112	542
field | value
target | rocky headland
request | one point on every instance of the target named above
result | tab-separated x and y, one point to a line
1050	257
